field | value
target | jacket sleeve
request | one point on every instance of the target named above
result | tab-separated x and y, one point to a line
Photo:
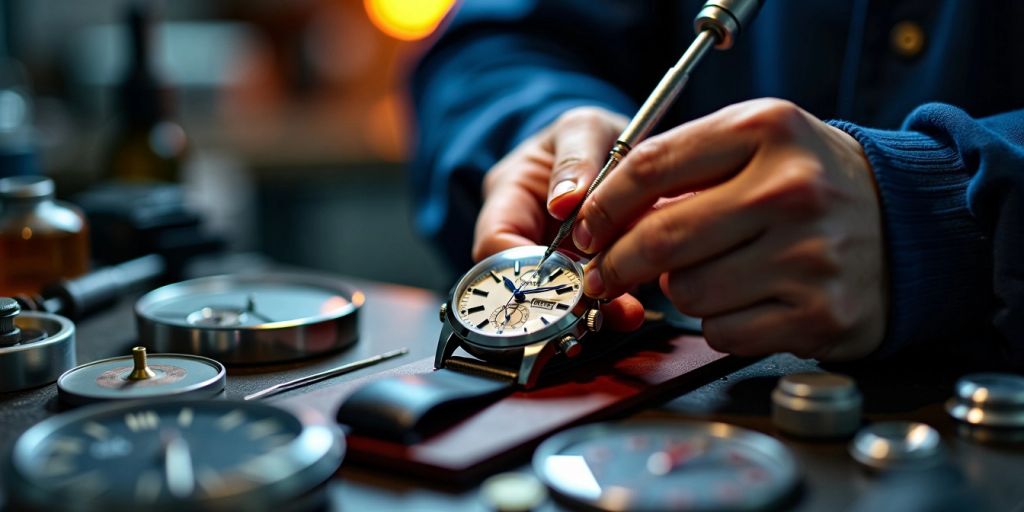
952	194
503	70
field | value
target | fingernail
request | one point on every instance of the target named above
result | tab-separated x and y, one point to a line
593	285
562	188
581	236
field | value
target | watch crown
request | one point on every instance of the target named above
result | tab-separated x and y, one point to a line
570	346
594	320
444	311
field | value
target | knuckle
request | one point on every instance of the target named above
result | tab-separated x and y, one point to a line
643	161
581	117
815	257
687	291
611	273
659	242
573	165
771	115
800	190
719	337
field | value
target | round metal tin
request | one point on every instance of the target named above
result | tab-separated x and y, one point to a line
897	445
989	407
47	351
176	375
251	319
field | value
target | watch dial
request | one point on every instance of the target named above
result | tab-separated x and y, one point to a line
173	453
507	295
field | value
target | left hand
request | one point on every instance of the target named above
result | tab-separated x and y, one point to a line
780	249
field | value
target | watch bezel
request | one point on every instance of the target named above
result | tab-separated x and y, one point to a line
483	342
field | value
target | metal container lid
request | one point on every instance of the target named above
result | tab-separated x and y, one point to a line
816	405
897	445
990	406
26	187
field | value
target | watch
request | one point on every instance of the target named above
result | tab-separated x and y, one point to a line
515	317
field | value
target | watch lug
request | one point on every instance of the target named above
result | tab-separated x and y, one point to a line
446	346
535	356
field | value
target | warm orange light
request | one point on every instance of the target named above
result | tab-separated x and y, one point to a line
407	20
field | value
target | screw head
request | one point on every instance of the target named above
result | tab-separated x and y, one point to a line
443	312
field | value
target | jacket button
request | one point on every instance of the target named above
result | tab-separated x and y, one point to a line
907	39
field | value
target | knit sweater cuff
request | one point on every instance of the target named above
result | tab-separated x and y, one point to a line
933	244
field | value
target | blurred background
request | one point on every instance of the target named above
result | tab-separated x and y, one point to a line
197	126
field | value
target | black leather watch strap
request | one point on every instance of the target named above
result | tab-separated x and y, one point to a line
409	408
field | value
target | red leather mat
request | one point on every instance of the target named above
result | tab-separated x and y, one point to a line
502	434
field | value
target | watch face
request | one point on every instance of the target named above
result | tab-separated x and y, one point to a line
506	294
172	455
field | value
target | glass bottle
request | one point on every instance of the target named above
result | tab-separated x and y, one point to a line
149	146
42	240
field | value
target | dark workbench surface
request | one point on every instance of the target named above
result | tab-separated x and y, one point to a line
832	481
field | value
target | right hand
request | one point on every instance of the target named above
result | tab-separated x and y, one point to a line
536	186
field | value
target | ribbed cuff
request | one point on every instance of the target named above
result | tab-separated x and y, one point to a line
936	251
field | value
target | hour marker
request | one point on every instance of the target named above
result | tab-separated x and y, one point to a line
564	289
562	306
525	329
544	320
474	309
185	417
147	420
515	268
99	432
554	274
66	446
477	291
263	428
496	277
231	420
482	324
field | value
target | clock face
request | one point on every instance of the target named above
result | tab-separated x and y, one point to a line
508	295
173	455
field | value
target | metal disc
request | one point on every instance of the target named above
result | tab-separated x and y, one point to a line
250	319
47	349
178	375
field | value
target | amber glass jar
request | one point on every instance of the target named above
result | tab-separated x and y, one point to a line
41	240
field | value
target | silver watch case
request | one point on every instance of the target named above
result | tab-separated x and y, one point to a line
530	352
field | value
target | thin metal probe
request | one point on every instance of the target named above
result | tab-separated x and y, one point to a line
326	374
643	122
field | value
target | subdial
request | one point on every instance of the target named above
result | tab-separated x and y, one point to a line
510	316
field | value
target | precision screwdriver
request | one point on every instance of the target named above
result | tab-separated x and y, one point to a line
717	24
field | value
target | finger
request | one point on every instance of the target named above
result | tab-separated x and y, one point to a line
623	314
763	329
735	281
580	143
516	216
677	236
690	157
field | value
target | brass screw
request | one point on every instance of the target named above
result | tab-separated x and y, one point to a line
141	371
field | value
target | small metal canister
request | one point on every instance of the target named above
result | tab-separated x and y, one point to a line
989	407
821	405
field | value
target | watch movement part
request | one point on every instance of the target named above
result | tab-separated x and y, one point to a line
9	332
819	405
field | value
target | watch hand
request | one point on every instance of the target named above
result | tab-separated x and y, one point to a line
178	465
545	289
509	284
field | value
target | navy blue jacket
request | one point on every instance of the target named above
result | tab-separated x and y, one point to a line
943	128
